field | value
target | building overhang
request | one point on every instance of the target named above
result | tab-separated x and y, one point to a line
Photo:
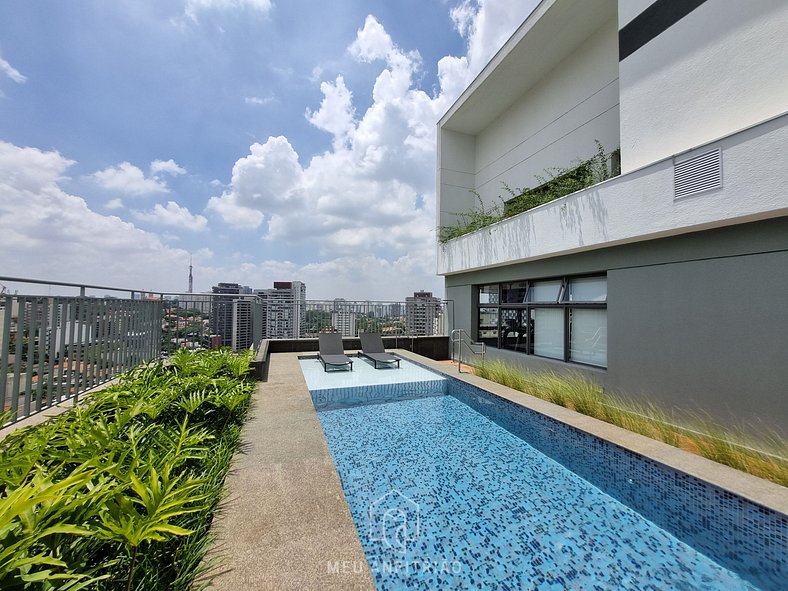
553	31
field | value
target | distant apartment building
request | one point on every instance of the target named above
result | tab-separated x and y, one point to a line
221	321
284	310
232	315
344	322
395	310
242	324
421	313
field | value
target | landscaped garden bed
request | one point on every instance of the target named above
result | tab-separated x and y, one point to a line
119	492
761	452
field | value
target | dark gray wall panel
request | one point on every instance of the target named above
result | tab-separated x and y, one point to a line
459	315
697	321
710	335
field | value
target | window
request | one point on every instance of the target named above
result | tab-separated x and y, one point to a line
588	289
488	326
588	336
549	332
545	291
515	329
561	318
488	294
514	293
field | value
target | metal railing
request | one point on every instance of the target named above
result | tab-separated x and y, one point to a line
55	348
240	320
59	339
459	338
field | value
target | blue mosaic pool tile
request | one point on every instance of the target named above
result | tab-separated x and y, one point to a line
444	498
377	393
741	535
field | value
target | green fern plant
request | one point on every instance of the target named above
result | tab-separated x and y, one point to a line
143	464
145	510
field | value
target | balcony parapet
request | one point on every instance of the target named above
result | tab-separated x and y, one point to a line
640	205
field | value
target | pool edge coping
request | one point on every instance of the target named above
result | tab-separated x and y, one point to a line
757	490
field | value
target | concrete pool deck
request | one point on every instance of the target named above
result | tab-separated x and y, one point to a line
286	523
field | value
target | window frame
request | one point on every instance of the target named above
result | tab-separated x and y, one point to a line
562	302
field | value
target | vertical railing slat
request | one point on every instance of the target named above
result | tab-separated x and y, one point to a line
5	346
41	331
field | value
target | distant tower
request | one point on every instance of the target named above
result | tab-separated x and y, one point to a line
191	279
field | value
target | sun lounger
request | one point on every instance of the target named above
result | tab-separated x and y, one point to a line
331	351
372	347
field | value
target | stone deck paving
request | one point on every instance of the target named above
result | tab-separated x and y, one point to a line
285	523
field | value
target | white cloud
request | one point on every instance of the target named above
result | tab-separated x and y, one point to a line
175	215
261	101
233	212
372	42
168	166
11	72
262	182
317	73
57	234
30	169
114	204
128	179
195	6
336	112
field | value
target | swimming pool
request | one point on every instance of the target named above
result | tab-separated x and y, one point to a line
444	496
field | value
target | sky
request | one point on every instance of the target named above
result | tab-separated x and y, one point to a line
265	140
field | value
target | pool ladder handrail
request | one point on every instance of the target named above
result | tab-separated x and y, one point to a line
460	337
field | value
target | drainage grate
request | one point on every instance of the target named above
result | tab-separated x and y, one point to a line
697	174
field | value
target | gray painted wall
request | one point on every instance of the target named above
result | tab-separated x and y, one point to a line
462	296
697	322
710	335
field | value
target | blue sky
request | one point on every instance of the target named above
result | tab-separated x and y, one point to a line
269	140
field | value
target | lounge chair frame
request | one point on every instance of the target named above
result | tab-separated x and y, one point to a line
372	347
332	352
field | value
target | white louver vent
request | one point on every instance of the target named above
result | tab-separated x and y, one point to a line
697	174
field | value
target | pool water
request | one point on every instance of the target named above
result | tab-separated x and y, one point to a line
444	498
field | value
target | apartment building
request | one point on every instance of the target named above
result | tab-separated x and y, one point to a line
422	312
285	307
667	281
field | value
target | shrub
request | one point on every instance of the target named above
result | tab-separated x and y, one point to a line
553	184
762	455
119	492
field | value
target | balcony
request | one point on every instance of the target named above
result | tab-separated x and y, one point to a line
667	198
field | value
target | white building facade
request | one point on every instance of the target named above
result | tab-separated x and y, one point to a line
422	312
285	309
667	281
